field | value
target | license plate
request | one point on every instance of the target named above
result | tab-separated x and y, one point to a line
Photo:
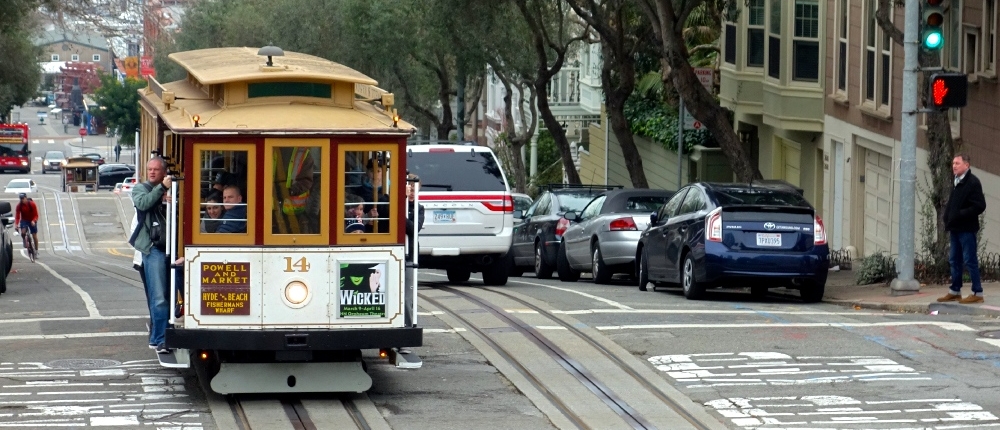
768	239
444	216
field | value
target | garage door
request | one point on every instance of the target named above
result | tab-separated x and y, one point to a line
878	201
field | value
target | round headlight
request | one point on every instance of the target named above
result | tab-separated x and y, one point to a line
296	292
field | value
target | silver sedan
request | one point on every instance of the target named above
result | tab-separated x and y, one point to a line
603	237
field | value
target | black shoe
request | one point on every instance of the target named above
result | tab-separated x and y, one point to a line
162	349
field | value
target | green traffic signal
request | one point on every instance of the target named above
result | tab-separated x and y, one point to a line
931	33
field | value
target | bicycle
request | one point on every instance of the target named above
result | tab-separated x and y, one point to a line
28	244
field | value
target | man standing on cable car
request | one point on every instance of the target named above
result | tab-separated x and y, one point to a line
149	239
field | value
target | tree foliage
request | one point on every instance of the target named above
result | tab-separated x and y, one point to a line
119	106
20	74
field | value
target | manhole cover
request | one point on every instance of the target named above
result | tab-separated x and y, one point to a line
82	363
104	224
991	334
100	214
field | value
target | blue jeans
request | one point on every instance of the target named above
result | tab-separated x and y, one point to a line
963	249
154	265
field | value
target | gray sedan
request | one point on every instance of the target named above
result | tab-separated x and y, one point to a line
603	237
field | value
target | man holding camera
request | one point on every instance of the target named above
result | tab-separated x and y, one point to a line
150	239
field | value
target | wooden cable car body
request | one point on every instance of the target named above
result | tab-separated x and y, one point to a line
282	292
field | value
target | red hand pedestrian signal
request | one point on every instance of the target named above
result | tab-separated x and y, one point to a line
938	91
947	90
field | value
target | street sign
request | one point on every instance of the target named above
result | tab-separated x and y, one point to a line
83	131
706	75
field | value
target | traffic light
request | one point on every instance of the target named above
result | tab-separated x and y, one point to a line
947	90
931	34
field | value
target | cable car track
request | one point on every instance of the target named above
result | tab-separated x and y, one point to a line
574	367
296	412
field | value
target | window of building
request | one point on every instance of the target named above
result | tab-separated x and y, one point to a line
729	28
954	37
96	57
75	57
843	23
755	33
989	37
805	41
55	57
877	54
297	192
225	190
774	41
971	54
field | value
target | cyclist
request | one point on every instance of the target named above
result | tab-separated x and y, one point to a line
26	218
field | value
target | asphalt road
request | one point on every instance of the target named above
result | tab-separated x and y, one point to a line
73	350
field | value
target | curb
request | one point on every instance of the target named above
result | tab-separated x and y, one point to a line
922	308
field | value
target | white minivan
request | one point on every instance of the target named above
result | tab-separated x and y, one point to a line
468	208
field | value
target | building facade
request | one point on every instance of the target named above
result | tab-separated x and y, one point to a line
60	46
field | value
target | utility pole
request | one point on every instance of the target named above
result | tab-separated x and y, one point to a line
904	283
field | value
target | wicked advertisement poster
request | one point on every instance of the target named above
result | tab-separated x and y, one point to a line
362	290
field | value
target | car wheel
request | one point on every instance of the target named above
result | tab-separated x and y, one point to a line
10	258
458	275
600	271
566	273
3	279
812	292
496	273
512	267
643	271
543	270
692	289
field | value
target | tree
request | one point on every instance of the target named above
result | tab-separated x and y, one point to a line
623	31
119	106
20	74
553	30
668	17
941	146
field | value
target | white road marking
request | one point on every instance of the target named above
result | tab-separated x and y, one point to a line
87	300
73	335
945	325
714	312
994	342
99	318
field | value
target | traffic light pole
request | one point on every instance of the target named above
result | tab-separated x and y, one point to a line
905	283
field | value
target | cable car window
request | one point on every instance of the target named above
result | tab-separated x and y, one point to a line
225	195
366	199
296	179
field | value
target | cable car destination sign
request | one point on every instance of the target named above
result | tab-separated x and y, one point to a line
225	288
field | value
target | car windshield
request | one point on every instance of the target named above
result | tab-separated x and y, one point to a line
18	184
53	154
645	204
759	196
456	171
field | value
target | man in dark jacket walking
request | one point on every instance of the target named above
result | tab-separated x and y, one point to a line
961	219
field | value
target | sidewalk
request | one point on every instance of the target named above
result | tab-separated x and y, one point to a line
841	289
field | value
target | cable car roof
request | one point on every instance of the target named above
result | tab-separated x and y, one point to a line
221	65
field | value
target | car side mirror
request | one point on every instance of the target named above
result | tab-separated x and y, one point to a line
652	219
519	214
572	216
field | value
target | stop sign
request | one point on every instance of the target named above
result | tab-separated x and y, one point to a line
83	131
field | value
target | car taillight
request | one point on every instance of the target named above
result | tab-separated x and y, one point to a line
713	226
561	226
621	224
506	205
819	231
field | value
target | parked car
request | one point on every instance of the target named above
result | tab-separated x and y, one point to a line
521	202
469	210
6	246
94	156
710	235
537	236
21	185
602	238
128	184
110	174
53	160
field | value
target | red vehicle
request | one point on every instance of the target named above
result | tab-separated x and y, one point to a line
14	153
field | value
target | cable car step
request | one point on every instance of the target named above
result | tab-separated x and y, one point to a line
407	361
321	377
178	359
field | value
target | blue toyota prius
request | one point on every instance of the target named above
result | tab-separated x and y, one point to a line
735	235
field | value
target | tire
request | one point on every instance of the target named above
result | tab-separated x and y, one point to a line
495	274
10	259
693	290
543	270
643	272
512	267
600	270
3	279
458	275
812	293
566	273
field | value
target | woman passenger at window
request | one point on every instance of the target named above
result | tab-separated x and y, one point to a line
213	212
